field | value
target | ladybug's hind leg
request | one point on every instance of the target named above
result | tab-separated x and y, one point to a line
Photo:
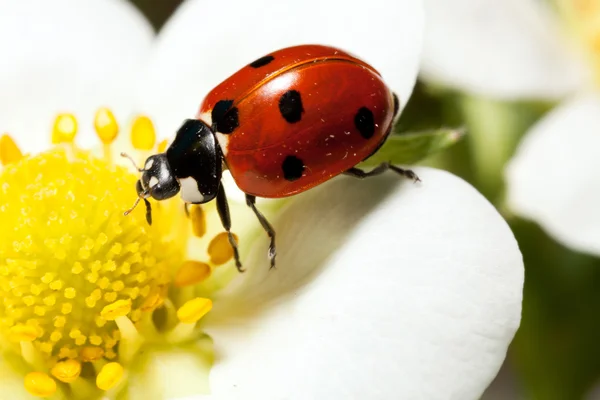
223	209
380	169
251	202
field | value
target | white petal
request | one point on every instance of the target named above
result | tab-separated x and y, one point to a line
66	55
554	177
505	49
206	41
419	299
170	372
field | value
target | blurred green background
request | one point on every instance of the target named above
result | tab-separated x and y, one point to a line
555	354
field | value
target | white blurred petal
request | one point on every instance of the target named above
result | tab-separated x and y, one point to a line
505	49
383	290
66	55
171	372
206	41
554	177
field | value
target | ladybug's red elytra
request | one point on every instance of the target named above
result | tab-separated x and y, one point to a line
283	124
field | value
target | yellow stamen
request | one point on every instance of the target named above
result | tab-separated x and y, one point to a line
66	371
70	293
220	250
154	300
194	309
198	220
65	129
119	308
126	328
91	353
583	6
40	384
106	125
162	146
143	135
24	333
130	339
9	151
30	354
191	273
109	376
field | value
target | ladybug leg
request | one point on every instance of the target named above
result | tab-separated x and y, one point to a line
223	209
148	212
380	169
251	202
186	208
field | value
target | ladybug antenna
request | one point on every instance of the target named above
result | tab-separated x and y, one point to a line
137	201
127	156
148	208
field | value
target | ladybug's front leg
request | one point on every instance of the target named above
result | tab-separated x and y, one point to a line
251	202
223	209
380	169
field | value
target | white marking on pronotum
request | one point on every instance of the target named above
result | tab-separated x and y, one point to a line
153	181
221	138
189	190
223	142
206	117
149	164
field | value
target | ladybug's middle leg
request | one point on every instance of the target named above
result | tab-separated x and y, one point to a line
380	169
251	202
223	209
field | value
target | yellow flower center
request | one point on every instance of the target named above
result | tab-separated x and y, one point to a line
62	261
78	279
583	20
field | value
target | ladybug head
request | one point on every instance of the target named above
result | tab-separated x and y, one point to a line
157	181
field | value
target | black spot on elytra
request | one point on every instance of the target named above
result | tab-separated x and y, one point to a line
382	142
225	118
219	110
290	106
261	62
396	105
365	122
292	168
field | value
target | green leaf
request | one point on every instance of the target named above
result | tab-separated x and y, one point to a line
412	147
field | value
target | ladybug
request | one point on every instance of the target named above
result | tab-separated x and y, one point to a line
281	125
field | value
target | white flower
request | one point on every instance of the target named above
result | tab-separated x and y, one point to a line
62	56
384	289
522	49
509	49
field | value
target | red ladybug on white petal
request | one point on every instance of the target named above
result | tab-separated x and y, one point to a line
283	124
